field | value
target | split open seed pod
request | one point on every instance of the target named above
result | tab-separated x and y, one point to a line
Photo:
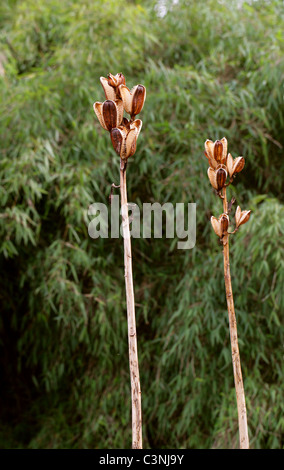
133	100
235	165
217	177
109	113
116	80
124	139
220	226
241	216
111	85
216	152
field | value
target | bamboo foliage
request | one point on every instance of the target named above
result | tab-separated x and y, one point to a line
64	365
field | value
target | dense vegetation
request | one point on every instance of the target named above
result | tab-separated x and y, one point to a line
211	69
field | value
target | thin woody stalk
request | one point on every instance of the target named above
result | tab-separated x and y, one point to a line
239	386
221	166
132	339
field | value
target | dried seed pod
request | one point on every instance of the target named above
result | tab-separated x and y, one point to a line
212	177
221	176
235	165
220	226
118	138
216	152
224	221
217	177
110	92
133	101
111	85
209	149
241	216
225	148
109	113
116	80
216	226
132	136
124	139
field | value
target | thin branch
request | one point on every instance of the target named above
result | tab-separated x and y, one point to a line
113	186
230	204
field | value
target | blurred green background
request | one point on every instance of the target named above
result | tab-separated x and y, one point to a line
212	69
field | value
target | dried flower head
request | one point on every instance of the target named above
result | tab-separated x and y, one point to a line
123	132
216	153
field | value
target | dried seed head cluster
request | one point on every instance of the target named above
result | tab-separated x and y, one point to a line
221	166
123	132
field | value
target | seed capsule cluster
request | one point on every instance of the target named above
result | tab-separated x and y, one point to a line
123	132
221	166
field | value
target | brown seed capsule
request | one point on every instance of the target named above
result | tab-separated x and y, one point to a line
110	92
239	164
245	217
216	226
221	176
131	140
241	216
221	225
124	139
225	147
138	100
235	166
109	113
133	101
212	175
117	138
116	80
218	151
209	149
224	220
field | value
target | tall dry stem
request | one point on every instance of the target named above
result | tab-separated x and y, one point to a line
239	386
132	337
